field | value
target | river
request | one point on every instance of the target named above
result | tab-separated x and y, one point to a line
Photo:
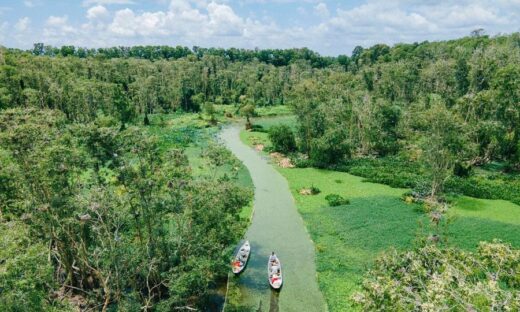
276	226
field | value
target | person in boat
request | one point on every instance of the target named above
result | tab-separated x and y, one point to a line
273	257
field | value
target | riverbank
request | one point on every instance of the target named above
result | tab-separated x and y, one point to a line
349	238
276	226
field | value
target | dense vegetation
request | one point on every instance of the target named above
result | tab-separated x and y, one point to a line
95	216
445	106
351	238
127	87
275	57
97	209
430	279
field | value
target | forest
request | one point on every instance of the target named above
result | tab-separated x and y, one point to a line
98	208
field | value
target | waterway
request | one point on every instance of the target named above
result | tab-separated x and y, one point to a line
276	226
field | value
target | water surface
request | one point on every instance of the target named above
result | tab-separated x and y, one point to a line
276	226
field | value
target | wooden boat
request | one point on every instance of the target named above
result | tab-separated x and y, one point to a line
274	272
241	258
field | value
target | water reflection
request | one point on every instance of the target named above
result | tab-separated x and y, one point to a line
273	306
276	226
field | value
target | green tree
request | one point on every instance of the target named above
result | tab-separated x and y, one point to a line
443	141
282	139
248	110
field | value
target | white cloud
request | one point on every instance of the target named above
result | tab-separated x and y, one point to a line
223	20
182	19
22	24
322	10
88	3
379	21
217	23
58	28
3	31
28	3
56	20
97	12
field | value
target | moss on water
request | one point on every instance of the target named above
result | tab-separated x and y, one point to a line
349	238
276	226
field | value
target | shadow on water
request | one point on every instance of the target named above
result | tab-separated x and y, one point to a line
259	307
276	226
273	306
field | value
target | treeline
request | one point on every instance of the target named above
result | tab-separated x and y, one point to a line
277	57
131	81
451	104
83	87
94	217
399	100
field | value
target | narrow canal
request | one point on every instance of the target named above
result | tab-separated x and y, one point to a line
276	226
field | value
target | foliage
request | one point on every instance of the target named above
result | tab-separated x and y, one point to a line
349	240
282	139
444	140
257	128
276	57
440	104
336	200
247	110
25	273
315	190
482	187
381	101
399	172
436	279
118	214
393	171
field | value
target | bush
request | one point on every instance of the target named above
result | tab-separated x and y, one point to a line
486	188
315	190
301	160
258	128
282	139
398	172
462	170
393	171
336	200
435	279
330	149
309	190
25	274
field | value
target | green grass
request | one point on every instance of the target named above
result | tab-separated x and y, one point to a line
194	133
254	138
349	238
275	110
483	220
266	123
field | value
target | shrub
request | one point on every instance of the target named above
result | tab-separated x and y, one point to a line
301	160
441	279
282	139
336	200
462	170
330	149
393	171
25	273
310	191
315	190
257	128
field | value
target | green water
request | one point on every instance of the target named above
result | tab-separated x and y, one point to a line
276	226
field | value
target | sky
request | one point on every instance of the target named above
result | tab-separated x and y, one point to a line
326	26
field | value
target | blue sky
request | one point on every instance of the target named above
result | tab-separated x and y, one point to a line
329	27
